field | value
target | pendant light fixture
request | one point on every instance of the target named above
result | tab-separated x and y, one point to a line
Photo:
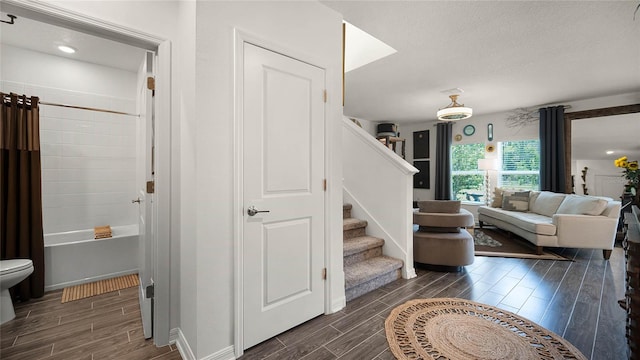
454	111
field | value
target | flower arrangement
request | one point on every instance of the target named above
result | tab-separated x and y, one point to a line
630	173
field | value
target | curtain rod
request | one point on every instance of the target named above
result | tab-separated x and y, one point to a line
7	96
88	108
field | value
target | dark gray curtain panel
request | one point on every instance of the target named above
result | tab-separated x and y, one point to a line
443	161
552	148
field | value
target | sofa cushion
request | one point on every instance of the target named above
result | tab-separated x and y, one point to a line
462	219
533	195
439	206
582	205
547	203
516	202
528	221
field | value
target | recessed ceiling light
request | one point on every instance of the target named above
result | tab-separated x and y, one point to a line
609	152
66	49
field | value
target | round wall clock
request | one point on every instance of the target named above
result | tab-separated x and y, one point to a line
469	130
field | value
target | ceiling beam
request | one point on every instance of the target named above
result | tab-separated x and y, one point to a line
610	111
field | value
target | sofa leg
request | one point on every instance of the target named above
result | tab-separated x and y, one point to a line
540	250
480	223
606	254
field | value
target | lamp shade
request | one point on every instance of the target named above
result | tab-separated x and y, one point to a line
487	164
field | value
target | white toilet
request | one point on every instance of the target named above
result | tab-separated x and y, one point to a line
11	273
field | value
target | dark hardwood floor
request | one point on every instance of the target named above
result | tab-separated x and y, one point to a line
106	326
575	299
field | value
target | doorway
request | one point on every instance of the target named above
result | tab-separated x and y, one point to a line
42	13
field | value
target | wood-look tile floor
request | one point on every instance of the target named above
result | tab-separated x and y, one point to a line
575	299
106	326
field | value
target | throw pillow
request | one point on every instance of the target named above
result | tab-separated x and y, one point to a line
516	202
497	197
582	205
547	203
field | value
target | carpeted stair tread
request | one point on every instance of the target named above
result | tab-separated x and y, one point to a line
359	244
346	211
353	223
364	271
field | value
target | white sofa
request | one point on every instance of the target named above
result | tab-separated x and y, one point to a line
555	220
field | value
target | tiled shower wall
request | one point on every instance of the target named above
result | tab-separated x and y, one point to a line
88	158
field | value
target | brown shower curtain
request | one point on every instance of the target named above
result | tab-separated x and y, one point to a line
21	191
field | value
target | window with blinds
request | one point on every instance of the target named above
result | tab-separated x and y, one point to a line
520	164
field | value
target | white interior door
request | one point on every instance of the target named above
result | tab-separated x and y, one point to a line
145	175
283	167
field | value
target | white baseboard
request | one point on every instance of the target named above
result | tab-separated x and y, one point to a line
173	335
224	354
177	337
183	346
65	284
338	304
411	272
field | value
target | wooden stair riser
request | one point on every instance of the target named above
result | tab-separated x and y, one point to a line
373	284
352	233
362	255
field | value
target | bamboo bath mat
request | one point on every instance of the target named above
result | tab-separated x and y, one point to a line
83	291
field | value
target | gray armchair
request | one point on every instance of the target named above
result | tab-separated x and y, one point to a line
441	238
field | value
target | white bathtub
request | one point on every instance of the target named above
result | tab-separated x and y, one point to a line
75	257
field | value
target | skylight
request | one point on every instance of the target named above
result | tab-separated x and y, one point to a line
361	48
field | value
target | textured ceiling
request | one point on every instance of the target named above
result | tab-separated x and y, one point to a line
504	54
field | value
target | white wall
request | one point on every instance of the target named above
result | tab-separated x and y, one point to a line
187	174
369	126
602	179
88	158
308	28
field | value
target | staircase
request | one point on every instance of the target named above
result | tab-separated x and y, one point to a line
365	268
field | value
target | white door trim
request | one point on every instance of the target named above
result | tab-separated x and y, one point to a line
52	14
241	37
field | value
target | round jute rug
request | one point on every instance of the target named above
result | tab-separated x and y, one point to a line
458	329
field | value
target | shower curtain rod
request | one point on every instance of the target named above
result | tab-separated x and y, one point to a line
88	108
7	96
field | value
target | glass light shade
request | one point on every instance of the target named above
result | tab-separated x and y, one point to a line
487	164
454	111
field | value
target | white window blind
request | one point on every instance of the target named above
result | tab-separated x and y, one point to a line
520	164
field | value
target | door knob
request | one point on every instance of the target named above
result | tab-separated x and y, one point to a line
252	211
136	201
